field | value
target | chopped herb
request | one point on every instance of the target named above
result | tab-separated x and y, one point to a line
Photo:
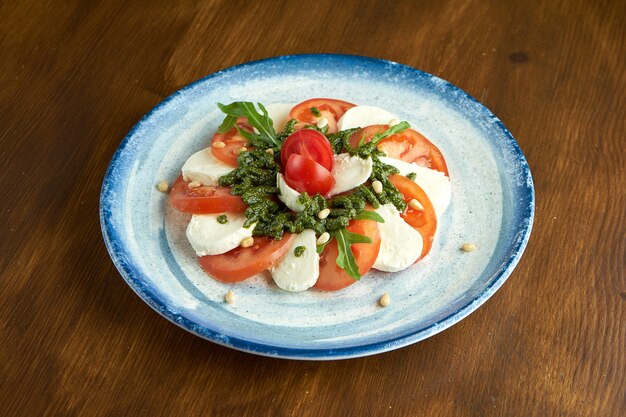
411	176
315	112
222	219
298	251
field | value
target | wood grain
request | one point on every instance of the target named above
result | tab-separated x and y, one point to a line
75	340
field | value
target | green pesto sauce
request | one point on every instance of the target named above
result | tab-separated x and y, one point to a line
315	111
298	251
222	219
254	180
412	176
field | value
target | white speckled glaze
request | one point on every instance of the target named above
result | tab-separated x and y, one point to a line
492	206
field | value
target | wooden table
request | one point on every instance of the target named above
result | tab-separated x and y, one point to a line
75	339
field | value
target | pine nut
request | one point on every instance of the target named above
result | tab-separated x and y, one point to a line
323	122
384	300
324	238
468	247
393	122
218	144
194	184
247	242
229	297
414	204
163	186
323	213
270	151
377	186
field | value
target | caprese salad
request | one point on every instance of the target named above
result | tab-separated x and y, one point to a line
318	194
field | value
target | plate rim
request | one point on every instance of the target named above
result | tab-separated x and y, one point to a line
135	278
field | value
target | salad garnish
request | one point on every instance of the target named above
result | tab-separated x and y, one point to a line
260	121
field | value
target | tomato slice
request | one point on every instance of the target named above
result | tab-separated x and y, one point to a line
424	221
310	144
204	199
332	277
409	146
307	176
242	263
329	108
233	142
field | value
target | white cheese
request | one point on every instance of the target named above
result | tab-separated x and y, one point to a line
298	273
209	237
400	244
279	113
435	184
204	168
288	195
349	172
362	116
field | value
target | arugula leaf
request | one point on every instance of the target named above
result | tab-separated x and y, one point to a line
402	126
345	257
369	215
363	150
259	120
227	124
320	248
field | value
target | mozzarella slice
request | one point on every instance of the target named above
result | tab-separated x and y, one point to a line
435	184
209	237
400	244
288	195
298	273
349	172
279	113
362	116
205	168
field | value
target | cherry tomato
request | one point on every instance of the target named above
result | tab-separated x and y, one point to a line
329	108
424	221
307	176
204	199
332	277
241	263
409	146
310	144
233	142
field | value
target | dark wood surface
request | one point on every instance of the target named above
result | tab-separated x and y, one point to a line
75	340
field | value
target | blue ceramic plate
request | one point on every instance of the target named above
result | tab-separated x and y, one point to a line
492	206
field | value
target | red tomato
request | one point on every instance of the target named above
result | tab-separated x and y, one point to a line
424	221
332	277
310	144
329	108
409	146
241	263
204	199
307	176
233	142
